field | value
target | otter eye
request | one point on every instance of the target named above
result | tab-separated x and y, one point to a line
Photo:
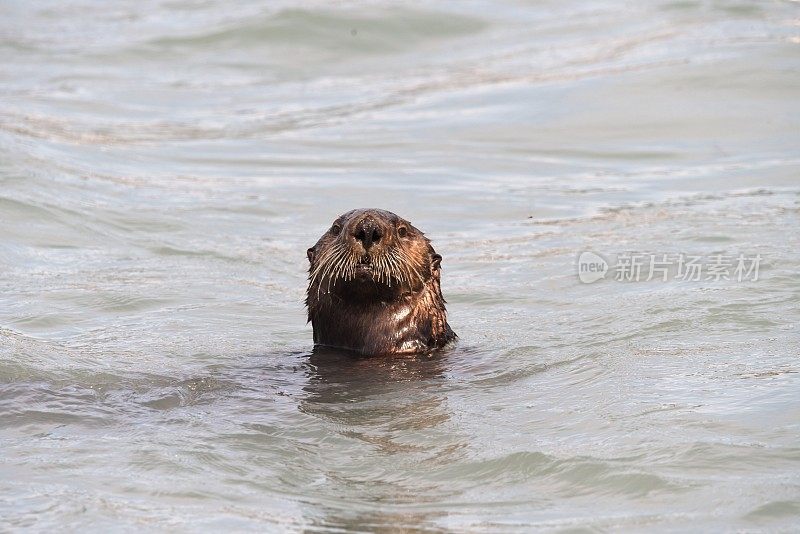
336	228
402	231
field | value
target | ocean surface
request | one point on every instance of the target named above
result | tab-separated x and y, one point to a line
164	164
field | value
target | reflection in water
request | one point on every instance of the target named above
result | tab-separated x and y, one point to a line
334	372
396	410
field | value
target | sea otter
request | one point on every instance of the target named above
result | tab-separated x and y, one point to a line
373	287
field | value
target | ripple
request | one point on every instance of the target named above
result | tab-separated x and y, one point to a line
375	32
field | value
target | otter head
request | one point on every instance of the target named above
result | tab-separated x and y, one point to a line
371	254
374	286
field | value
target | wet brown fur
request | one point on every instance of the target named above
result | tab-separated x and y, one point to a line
374	287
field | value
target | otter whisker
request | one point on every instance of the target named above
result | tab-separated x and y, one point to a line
321	264
347	268
334	269
325	260
378	268
343	267
386	269
401	267
412	266
397	270
353	264
330	261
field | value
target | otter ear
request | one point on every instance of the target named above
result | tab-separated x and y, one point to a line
436	261
310	254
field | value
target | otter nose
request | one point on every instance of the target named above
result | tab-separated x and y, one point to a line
368	232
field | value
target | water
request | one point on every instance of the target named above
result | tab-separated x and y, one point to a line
165	164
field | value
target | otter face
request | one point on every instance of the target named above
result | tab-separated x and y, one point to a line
369	252
373	287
